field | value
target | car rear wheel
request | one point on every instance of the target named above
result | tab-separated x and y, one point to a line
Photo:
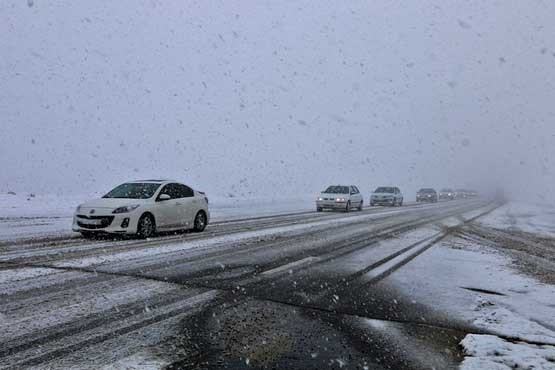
200	221
360	206
146	227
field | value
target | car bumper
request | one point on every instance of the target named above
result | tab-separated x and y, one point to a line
112	224
331	204
381	201
426	199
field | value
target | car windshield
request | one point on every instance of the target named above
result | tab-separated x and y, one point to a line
337	190
135	190
385	190
446	190
426	191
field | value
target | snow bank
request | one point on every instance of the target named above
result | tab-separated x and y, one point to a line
493	353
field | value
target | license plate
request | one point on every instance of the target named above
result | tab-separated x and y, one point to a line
90	222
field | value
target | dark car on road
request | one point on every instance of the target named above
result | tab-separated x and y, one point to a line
426	195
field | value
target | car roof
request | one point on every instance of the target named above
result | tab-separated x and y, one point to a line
154	181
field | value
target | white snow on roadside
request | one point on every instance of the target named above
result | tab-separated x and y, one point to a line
492	353
533	218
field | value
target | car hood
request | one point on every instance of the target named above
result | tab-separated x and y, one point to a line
111	203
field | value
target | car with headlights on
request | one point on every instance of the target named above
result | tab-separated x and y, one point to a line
143	208
426	195
340	197
387	195
446	194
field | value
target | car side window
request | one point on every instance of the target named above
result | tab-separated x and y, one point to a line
171	190
356	189
185	191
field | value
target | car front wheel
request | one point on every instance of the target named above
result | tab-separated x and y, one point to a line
200	222
146	227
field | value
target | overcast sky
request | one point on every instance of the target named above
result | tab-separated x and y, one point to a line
259	98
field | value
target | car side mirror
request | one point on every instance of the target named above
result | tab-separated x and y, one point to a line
162	197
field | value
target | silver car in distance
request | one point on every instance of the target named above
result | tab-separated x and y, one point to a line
142	208
387	195
340	197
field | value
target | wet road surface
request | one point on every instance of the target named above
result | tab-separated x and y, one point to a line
299	291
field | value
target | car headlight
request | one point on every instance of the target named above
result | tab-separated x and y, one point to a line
340	199
126	209
320	198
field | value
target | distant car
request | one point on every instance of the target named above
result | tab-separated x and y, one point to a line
446	194
387	195
340	197
460	194
143	208
426	195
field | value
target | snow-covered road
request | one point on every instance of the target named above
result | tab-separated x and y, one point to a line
382	288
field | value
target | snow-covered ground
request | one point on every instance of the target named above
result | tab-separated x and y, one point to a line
523	317
533	218
26	215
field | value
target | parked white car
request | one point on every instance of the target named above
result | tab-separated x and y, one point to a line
143	208
387	195
340	197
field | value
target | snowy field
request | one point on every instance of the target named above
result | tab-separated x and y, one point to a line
517	307
538	219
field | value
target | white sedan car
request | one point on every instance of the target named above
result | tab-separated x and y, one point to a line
341	197
143	208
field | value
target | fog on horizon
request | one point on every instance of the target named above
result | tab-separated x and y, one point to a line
273	99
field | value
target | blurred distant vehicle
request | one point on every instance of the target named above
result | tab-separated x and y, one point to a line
387	195
426	195
461	194
340	197
142	208
472	193
446	194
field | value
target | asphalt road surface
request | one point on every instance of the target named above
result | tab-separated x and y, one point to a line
298	291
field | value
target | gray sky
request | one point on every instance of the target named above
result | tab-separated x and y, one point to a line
273	98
